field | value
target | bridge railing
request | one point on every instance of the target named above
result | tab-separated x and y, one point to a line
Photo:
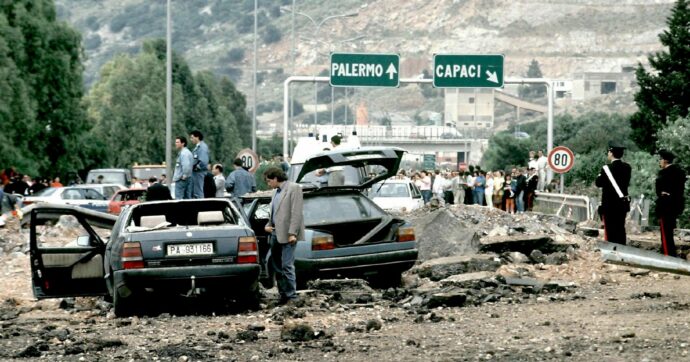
581	208
573	207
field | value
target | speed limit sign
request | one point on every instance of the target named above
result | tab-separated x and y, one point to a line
561	159
250	160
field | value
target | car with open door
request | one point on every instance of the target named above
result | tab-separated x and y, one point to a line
347	234
177	248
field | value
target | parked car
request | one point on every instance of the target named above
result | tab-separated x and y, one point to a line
396	195
125	198
120	176
108	190
347	234
179	247
82	196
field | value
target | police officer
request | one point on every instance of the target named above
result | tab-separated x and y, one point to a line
670	199
614	208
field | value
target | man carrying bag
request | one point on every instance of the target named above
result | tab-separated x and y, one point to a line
615	202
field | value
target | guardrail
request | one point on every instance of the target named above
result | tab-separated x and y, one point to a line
573	207
581	208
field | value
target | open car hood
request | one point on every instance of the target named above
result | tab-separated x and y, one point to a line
385	162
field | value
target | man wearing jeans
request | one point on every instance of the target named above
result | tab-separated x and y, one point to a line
183	170
286	226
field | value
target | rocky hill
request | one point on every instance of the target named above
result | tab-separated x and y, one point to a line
564	36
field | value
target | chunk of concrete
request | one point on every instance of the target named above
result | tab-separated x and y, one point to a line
469	280
441	268
447	299
525	243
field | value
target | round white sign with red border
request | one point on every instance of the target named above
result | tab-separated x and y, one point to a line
250	160
561	159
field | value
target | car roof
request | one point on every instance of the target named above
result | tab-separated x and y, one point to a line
95	186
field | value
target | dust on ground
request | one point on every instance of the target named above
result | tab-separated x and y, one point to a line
489	286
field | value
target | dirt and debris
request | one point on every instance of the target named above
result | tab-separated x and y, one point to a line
488	286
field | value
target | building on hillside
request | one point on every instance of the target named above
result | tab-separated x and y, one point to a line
469	107
563	88
594	84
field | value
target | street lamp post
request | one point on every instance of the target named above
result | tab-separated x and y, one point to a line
317	27
168	98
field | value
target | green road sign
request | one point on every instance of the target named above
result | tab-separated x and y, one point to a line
365	70
468	71
429	162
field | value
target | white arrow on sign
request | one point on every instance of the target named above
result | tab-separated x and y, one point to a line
391	71
493	77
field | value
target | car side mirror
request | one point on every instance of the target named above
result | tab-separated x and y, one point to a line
84	240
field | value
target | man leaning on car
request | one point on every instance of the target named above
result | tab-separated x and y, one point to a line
286	226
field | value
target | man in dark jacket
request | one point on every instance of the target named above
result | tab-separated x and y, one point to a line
530	191
157	191
670	200
614	208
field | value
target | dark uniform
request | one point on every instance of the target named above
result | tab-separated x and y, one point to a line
670	202
613	209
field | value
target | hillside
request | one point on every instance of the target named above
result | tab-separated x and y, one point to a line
565	37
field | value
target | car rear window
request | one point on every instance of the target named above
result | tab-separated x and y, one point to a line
390	190
327	209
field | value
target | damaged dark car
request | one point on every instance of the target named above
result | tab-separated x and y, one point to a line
347	234
182	247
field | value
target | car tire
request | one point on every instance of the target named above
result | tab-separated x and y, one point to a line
386	280
251	299
123	307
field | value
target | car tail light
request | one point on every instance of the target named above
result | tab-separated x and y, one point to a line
132	257
27	202
322	242
406	234
247	251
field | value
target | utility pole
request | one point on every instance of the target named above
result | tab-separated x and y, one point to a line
256	6
168	99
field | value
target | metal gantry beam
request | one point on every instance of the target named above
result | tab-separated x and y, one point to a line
311	79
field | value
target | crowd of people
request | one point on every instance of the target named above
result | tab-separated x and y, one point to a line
511	191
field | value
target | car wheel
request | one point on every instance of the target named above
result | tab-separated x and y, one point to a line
251	298
386	280
123	307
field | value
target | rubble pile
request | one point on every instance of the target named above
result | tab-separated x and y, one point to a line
12	238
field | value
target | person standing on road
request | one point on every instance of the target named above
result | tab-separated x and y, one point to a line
157	191
670	199
520	186
182	177
218	180
542	164
240	181
200	166
530	191
425	188
286	227
613	207
478	190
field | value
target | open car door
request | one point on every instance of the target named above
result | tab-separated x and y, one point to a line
67	256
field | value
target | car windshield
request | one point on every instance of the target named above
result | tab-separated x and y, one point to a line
108	178
330	209
47	192
383	189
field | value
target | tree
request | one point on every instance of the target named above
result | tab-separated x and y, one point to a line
127	107
532	91
504	151
41	117
664	95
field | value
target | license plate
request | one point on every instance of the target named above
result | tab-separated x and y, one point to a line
191	249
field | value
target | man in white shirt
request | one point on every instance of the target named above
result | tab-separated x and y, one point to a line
542	163
218	179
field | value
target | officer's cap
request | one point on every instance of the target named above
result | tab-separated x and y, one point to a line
667	155
615	145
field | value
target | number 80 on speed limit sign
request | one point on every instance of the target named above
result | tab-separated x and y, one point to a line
561	159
